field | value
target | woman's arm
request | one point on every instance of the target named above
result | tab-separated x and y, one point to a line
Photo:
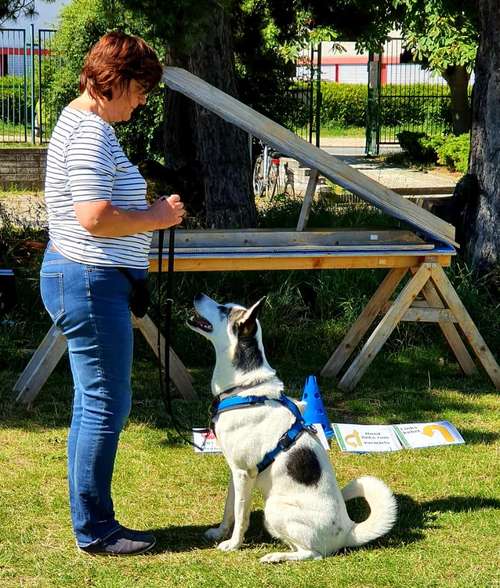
102	219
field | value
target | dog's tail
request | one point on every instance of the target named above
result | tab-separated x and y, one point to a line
383	509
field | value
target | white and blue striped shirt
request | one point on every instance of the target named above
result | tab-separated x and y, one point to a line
86	163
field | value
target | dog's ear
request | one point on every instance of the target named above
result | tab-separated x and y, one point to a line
247	327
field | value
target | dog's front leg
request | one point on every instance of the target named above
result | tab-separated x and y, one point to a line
243	485
218	533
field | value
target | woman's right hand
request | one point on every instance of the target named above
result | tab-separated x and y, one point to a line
167	211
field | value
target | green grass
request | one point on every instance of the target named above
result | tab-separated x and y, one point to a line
447	529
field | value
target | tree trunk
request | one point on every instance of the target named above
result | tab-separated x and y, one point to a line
210	156
483	232
458	81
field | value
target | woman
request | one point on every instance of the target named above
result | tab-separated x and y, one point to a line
99	221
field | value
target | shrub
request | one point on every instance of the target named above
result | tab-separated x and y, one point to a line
454	152
418	145
448	150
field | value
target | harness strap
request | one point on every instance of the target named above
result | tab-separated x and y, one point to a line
286	440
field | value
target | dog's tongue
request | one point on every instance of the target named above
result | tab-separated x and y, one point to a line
198	321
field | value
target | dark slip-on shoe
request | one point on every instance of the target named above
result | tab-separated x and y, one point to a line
122	542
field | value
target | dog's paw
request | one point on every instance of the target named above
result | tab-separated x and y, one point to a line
215	534
229	545
271	558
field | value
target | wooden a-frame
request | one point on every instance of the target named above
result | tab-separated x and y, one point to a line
395	251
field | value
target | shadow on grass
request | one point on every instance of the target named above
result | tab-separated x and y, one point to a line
186	538
414	519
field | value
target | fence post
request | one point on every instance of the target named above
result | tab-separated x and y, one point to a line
32	30
318	95
373	105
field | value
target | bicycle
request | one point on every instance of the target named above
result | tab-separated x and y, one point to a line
266	173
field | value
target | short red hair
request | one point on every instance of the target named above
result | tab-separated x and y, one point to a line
118	58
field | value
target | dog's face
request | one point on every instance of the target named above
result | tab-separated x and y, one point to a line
233	330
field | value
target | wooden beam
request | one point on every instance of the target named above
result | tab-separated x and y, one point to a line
428	315
40	366
308	200
178	373
467	325
385	328
450	332
266	262
338	359
291	145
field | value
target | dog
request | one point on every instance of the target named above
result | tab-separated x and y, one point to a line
304	506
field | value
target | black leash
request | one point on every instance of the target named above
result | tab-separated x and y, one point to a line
165	386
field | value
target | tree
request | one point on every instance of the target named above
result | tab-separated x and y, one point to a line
11	9
444	35
482	227
207	157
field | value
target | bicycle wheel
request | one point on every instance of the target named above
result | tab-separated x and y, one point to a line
258	182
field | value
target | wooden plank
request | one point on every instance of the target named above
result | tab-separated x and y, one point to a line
428	315
450	332
40	366
385	328
420	311
291	145
308	200
267	263
178	373
363	323
467	325
230	238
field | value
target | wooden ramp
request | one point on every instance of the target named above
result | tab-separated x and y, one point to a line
291	145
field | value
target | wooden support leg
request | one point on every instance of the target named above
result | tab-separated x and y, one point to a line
363	323
308	199
467	325
40	366
178	373
53	346
385	328
450	332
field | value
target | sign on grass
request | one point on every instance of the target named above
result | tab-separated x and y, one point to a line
375	438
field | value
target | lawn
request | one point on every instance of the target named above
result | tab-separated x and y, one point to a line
447	529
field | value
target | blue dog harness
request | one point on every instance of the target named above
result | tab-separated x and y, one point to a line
286	440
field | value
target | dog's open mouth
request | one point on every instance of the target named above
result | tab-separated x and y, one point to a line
200	322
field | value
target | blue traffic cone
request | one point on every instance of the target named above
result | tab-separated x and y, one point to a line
315	411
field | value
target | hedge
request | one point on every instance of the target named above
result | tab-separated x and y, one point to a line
346	105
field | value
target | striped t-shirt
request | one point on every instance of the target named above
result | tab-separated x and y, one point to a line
86	163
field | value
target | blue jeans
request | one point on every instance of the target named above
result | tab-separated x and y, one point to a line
90	305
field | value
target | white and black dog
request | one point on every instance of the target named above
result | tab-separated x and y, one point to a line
304	506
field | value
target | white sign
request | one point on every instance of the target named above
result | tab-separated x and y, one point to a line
374	438
205	441
366	438
416	435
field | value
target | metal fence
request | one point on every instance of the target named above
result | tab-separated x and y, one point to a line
306	91
403	96
27	63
